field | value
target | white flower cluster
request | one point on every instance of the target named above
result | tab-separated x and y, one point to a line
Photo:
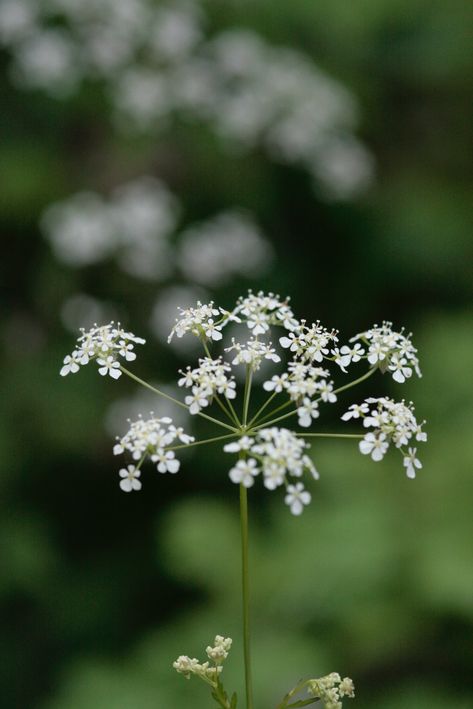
200	321
207	380
217	654
391	351
133	226
260	311
137	225
393	422
155	63
105	344
331	690
309	343
252	353
149	438
276	453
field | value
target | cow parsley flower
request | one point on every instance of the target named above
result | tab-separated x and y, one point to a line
151	438
390	350
199	321
260	311
252	353
129	480
105	344
261	447
393	422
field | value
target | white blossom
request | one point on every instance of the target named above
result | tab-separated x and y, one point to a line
261	310
151	438
411	463
391	351
307	412
105	343
393	422
374	445
296	498
355	411
129	479
195	320
252	353
244	472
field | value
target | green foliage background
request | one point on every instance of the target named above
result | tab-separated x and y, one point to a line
100	591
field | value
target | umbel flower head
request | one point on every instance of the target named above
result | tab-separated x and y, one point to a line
296	391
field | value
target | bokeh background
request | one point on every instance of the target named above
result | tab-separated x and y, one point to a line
317	149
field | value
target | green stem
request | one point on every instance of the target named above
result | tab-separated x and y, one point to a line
262	408
201	443
279	418
246	400
275	411
226	411
330	435
245	594
356	381
175	401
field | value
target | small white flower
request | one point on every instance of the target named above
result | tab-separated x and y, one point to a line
243	444
376	446
110	366
196	401
355	411
166	461
277	383
70	365
244	472
296	498
411	463
398	366
308	411
130	480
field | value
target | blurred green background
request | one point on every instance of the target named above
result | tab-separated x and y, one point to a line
100	591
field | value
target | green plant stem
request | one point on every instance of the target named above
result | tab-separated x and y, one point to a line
262	408
175	401
226	411
274	411
245	594
201	443
231	413
331	435
356	381
246	398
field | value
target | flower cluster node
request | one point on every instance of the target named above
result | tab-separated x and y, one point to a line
105	344
331	689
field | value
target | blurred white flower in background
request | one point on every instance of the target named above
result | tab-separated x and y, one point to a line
228	245
156	63
133	226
